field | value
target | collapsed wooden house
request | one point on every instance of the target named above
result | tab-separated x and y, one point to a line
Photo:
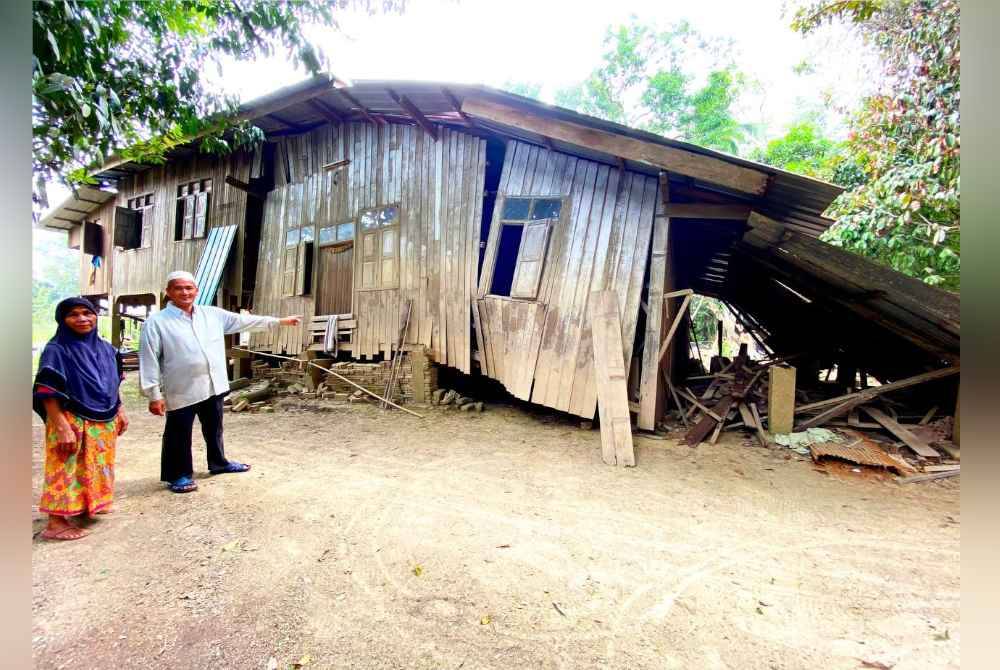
495	218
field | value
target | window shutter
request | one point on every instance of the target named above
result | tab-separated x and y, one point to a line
389	258
531	259
127	230
188	217
303	271
146	238
369	260
288	274
201	214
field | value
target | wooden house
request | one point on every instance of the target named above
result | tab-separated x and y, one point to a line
494	218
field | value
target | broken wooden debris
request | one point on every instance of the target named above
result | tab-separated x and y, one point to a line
928	477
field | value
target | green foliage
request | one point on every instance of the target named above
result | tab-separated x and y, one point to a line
527	89
804	149
905	138
125	76
644	81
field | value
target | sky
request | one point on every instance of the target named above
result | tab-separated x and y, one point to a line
556	43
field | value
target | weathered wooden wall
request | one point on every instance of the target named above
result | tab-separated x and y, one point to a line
137	271
439	189
600	242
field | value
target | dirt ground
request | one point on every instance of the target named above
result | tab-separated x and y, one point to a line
364	539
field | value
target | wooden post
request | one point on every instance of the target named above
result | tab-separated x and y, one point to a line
718	332
650	395
609	368
781	399
956	432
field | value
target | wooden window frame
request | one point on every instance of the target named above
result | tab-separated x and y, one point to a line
184	191
303	275
144	204
379	232
553	223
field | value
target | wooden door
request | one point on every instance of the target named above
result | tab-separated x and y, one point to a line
335	279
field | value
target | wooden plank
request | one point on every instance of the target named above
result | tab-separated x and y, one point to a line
703	210
761	435
609	368
928	477
874	392
912	441
708	422
694	401
678	318
706	168
649	407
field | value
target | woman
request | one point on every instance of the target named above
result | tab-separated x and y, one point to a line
76	394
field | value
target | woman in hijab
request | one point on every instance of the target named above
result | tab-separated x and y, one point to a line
76	394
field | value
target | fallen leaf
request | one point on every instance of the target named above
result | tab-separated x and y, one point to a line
941	637
485	621
302	662
878	665
503	546
417	570
760	611
231	546
558	609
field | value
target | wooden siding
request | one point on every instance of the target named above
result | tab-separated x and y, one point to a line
601	241
137	271
439	189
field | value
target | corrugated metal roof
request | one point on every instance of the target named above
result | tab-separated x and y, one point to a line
76	208
793	199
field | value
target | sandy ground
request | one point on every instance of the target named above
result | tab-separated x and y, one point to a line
364	539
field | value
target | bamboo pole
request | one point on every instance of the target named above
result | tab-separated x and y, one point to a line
331	372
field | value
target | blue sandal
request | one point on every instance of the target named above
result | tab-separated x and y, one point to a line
232	467
183	485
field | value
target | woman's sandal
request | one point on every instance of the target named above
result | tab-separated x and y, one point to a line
183	485
63	534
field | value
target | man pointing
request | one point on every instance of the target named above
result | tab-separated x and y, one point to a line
182	371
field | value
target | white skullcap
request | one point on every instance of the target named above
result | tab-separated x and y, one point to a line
180	274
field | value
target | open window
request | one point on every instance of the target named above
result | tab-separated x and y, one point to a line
296	278
193	202
378	230
525	227
134	224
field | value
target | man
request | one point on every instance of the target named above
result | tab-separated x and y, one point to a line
182	371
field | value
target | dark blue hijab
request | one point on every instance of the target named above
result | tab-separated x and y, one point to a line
83	371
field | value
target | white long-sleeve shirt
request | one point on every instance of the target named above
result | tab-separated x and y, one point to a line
182	359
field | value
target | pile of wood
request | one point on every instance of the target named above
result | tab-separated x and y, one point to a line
730	398
130	360
738	397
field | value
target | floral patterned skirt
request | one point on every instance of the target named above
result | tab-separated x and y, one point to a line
82	479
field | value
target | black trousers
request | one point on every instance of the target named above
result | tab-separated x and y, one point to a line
175	460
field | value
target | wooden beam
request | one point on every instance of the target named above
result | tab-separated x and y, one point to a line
871	393
680	161
245	187
337	164
414	113
457	106
326	111
919	446
673	328
281	102
650	396
361	108
702	210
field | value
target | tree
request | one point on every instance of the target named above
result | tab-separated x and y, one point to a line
644	81
905	137
806	150
125	76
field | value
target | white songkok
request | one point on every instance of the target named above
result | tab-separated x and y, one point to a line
180	274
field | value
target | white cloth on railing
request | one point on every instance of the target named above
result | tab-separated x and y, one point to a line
330	336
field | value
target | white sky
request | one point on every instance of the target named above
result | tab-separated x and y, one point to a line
556	43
